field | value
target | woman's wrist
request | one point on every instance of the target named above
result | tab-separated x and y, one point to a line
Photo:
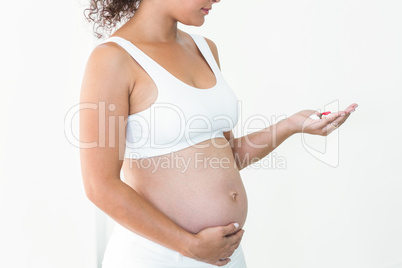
290	126
189	243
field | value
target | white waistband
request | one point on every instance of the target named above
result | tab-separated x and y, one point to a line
127	249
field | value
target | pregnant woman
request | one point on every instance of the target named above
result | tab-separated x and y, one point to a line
156	106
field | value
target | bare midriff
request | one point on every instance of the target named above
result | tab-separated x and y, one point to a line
195	187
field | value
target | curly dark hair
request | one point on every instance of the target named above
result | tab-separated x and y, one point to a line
105	14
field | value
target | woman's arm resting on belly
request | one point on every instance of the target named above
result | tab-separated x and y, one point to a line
212	245
106	84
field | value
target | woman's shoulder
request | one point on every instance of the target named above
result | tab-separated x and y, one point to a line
109	65
108	51
112	57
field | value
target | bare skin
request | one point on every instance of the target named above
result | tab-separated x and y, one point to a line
193	212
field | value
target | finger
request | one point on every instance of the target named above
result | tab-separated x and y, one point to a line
352	106
334	124
338	119
230	229
222	262
334	115
236	238
229	253
235	244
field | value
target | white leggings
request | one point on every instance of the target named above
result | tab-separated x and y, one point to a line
129	250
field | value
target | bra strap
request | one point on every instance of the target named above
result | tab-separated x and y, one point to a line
142	59
206	51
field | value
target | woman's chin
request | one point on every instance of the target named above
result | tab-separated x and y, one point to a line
196	23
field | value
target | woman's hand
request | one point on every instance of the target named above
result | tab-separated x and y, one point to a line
215	245
302	123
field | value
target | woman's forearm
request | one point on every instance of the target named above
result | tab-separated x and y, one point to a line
131	210
253	147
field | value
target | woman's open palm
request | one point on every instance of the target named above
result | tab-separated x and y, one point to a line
302	123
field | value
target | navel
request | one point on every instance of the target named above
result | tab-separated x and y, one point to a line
234	195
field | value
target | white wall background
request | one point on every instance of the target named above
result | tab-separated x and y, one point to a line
339	208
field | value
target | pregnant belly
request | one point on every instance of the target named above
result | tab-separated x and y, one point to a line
206	191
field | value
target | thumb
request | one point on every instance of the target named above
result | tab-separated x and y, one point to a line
230	229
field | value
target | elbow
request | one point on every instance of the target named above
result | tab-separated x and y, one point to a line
97	189
93	189
90	191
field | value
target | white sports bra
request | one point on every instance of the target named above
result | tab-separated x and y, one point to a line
182	115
